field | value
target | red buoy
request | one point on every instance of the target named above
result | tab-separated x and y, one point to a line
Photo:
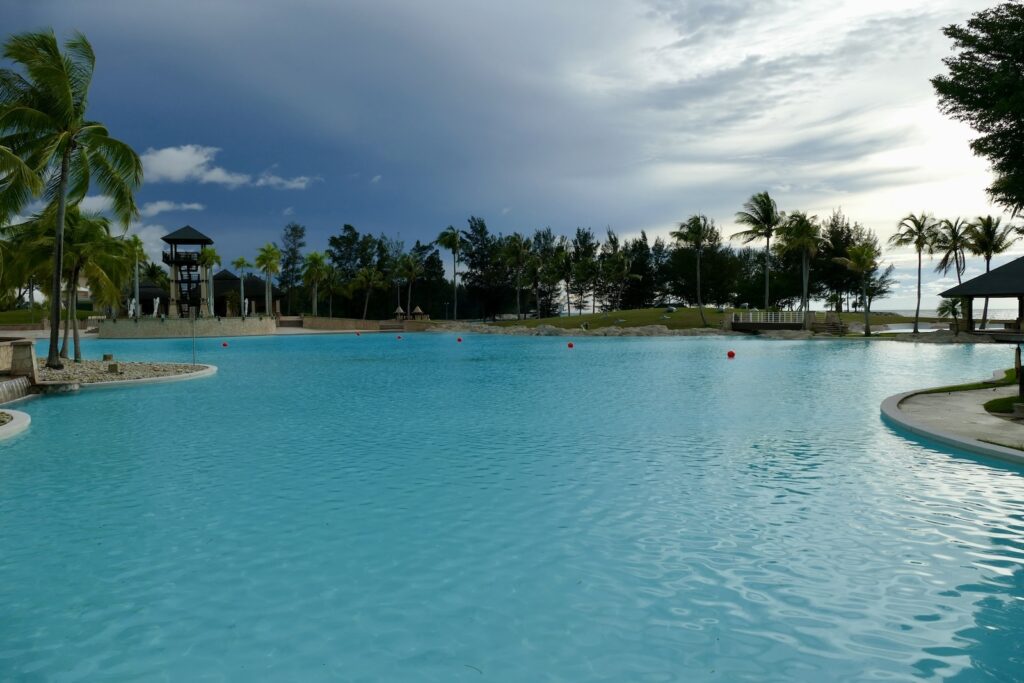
224	344
459	340
398	336
571	345
731	354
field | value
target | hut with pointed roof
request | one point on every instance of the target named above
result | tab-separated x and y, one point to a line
1004	282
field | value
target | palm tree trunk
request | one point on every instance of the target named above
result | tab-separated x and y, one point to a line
536	296
74	325
917	311
137	302
519	312
408	299
52	358
315	297
568	297
767	268
67	318
366	303
455	284
984	311
867	307
241	294
700	302
807	282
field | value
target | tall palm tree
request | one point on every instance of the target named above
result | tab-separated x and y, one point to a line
986	238
241	264
409	267
18	183
368	279
268	259
762	217
516	253
862	259
314	274
952	238
698	232
451	239
802	233
43	122
208	258
138	254
917	231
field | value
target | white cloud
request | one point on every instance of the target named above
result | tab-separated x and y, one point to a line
194	163
376	179
268	179
151	238
150	209
96	203
288	211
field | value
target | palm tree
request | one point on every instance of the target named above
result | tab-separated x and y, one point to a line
410	267
952	238
517	255
698	232
917	231
138	253
802	233
451	239
368	279
44	123
951	308
762	216
208	258
988	237
314	274
18	183
268	259
863	259
241	264
156	274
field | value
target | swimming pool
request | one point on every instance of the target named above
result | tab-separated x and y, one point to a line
506	509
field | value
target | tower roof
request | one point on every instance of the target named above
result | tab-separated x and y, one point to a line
187	235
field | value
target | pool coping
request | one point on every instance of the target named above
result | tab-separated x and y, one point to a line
891	412
19	422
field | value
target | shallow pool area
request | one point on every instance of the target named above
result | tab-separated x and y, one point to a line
333	507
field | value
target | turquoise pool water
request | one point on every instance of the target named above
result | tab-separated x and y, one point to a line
506	509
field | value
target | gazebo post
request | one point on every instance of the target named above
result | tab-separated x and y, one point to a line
969	313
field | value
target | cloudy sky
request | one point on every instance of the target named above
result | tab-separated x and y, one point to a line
405	117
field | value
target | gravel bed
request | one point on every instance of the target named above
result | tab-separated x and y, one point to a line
92	371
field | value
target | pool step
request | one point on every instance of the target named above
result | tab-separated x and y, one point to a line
14	388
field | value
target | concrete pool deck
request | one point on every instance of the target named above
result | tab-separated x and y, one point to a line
959	419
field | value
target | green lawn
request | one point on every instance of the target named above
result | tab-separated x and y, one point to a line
1002	405
24	316
1009	377
683	318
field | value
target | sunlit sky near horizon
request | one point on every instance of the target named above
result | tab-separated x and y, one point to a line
403	117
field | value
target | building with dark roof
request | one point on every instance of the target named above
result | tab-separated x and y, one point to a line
1004	282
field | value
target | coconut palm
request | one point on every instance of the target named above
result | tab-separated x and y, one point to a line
208	258
952	238
862	259
451	239
241	264
18	183
268	259
951	308
698	232
919	232
516	252
43	122
156	274
762	217
368	279
314	274
409	267
802	234
138	255
986	238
